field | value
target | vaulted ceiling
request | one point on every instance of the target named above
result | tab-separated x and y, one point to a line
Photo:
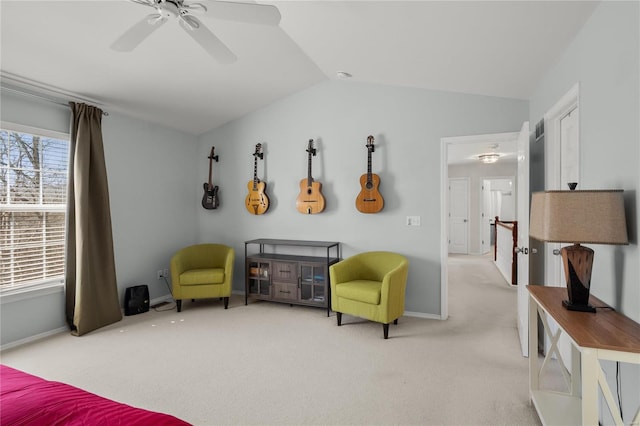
499	48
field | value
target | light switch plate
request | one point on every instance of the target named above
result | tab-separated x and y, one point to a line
413	221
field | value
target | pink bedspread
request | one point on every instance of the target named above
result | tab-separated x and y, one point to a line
30	400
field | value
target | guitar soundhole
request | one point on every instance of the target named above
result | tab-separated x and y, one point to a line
369	185
309	191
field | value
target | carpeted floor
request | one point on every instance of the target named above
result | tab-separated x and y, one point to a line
275	364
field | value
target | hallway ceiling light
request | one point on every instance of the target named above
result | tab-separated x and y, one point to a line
489	158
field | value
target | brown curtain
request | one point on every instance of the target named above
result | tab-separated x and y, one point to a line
90	288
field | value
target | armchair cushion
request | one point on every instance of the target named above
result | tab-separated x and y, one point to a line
202	276
360	290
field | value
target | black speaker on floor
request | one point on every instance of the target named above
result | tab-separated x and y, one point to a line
136	300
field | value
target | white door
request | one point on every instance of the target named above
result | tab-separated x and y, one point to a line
459	215
522	212
486	218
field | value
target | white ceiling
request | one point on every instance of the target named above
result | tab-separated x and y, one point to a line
499	48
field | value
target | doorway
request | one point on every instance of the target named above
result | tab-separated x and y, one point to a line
498	199
466	148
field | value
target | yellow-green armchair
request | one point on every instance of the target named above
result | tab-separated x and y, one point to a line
370	285
202	271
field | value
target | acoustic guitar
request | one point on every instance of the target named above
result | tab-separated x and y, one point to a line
257	201
310	200
369	199
210	198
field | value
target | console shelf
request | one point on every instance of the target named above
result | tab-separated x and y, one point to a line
289	271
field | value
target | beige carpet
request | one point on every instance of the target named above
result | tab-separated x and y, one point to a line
269	363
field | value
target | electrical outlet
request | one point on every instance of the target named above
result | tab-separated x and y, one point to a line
165	273
159	274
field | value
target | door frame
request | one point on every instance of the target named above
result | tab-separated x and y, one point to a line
445	142
552	159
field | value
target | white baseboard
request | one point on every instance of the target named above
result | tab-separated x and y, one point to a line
422	315
409	314
165	298
34	338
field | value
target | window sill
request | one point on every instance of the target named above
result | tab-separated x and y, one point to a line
28	292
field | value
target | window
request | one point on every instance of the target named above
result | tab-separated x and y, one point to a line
33	193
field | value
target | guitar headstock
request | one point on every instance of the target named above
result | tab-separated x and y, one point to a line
311	150
370	145
211	156
258	153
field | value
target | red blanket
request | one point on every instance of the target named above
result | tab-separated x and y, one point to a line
30	400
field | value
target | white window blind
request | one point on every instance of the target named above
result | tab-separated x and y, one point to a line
33	189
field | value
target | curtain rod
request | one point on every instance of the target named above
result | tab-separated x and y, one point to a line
25	92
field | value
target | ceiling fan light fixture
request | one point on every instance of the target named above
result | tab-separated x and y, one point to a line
489	158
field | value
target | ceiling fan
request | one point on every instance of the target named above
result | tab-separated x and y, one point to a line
253	13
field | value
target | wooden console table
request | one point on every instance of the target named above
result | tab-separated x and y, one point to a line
605	335
278	275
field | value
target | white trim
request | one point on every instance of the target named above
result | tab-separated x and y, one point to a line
34	338
36	131
29	291
157	300
45	91
423	315
444	224
492	137
566	104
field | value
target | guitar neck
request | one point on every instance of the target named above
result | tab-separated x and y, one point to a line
309	178
369	167
255	174
210	170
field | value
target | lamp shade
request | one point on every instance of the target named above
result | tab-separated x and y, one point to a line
590	216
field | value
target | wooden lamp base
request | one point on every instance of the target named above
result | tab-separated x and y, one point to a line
578	262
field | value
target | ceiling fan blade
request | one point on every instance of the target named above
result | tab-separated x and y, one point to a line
205	38
252	13
136	34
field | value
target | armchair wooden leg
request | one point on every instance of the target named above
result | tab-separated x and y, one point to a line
226	302
179	305
385	330
395	321
339	318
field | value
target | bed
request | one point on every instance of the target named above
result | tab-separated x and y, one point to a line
31	400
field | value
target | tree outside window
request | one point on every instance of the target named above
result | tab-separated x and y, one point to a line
33	187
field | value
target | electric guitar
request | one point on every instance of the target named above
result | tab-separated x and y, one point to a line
369	199
310	200
256	201
210	198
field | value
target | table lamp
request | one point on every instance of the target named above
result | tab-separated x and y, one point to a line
577	217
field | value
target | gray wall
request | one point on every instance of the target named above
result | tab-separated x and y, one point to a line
407	125
150	171
604	58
